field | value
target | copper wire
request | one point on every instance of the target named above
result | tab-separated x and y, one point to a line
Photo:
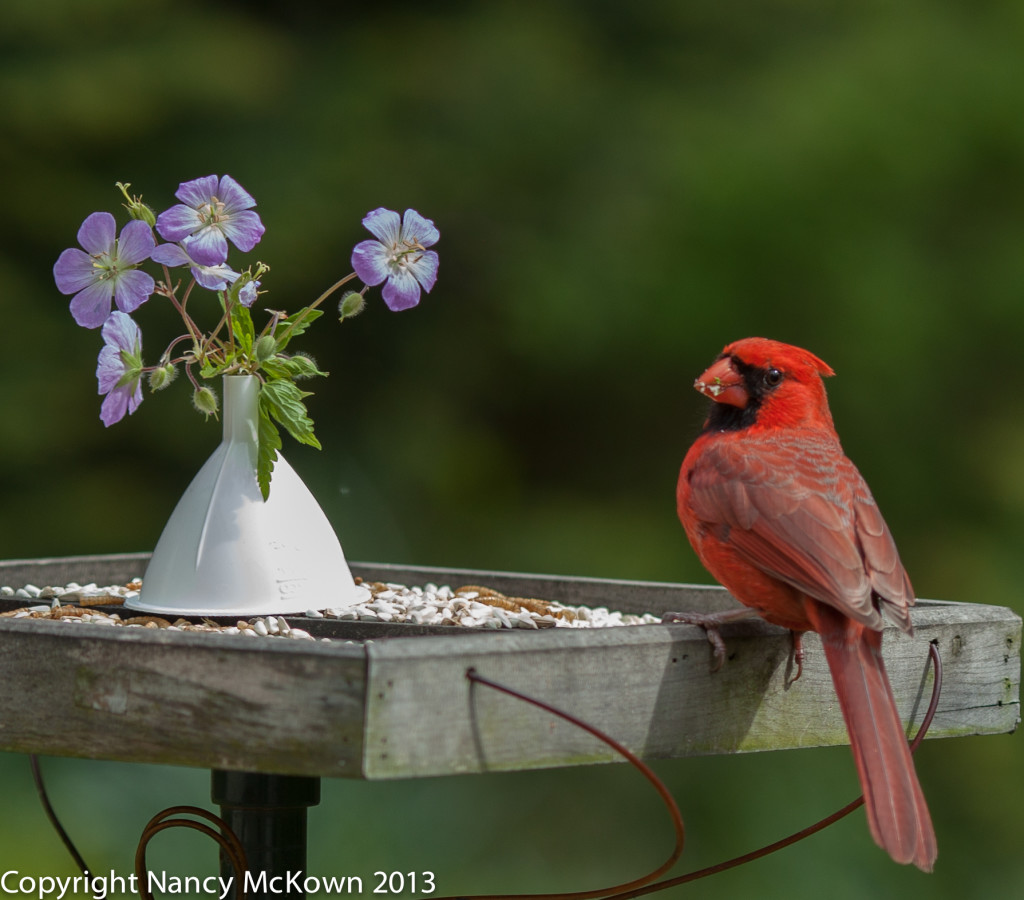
229	843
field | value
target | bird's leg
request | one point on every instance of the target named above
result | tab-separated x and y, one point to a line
711	622
796	655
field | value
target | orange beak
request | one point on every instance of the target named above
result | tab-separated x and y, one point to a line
723	384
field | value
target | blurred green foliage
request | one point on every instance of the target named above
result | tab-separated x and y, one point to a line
621	189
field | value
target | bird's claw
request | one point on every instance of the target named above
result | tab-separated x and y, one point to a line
710	623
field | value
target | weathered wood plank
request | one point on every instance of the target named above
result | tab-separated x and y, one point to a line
210	701
651	688
402	706
115	568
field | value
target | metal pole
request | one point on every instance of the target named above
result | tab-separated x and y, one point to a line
268	815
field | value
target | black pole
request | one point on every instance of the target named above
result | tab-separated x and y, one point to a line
267	813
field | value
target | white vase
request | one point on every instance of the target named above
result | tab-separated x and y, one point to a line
227	552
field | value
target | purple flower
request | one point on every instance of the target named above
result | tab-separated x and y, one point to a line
209	214
119	368
399	255
248	292
106	270
213	278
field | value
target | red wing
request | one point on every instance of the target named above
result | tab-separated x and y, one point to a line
804	515
881	559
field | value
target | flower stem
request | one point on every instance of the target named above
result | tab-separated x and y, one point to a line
192	377
205	349
180	306
167	353
340	283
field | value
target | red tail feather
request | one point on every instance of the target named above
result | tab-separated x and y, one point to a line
897	814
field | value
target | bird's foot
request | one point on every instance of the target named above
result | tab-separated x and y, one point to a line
711	622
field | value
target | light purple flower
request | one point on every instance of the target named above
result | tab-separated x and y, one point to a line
119	368
399	256
248	292
106	270
213	278
209	214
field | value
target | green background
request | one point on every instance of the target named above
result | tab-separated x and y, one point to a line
621	189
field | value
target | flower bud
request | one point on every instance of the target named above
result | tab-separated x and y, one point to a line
145	213
266	347
304	366
351	304
136	208
205	400
160	377
244	290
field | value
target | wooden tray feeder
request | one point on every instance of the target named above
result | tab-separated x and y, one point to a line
383	700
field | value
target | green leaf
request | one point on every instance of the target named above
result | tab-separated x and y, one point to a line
210	370
269	444
274	368
283	400
297	323
242	328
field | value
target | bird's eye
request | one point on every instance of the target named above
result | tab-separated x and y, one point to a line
772	377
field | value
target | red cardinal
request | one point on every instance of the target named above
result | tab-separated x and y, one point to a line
780	516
